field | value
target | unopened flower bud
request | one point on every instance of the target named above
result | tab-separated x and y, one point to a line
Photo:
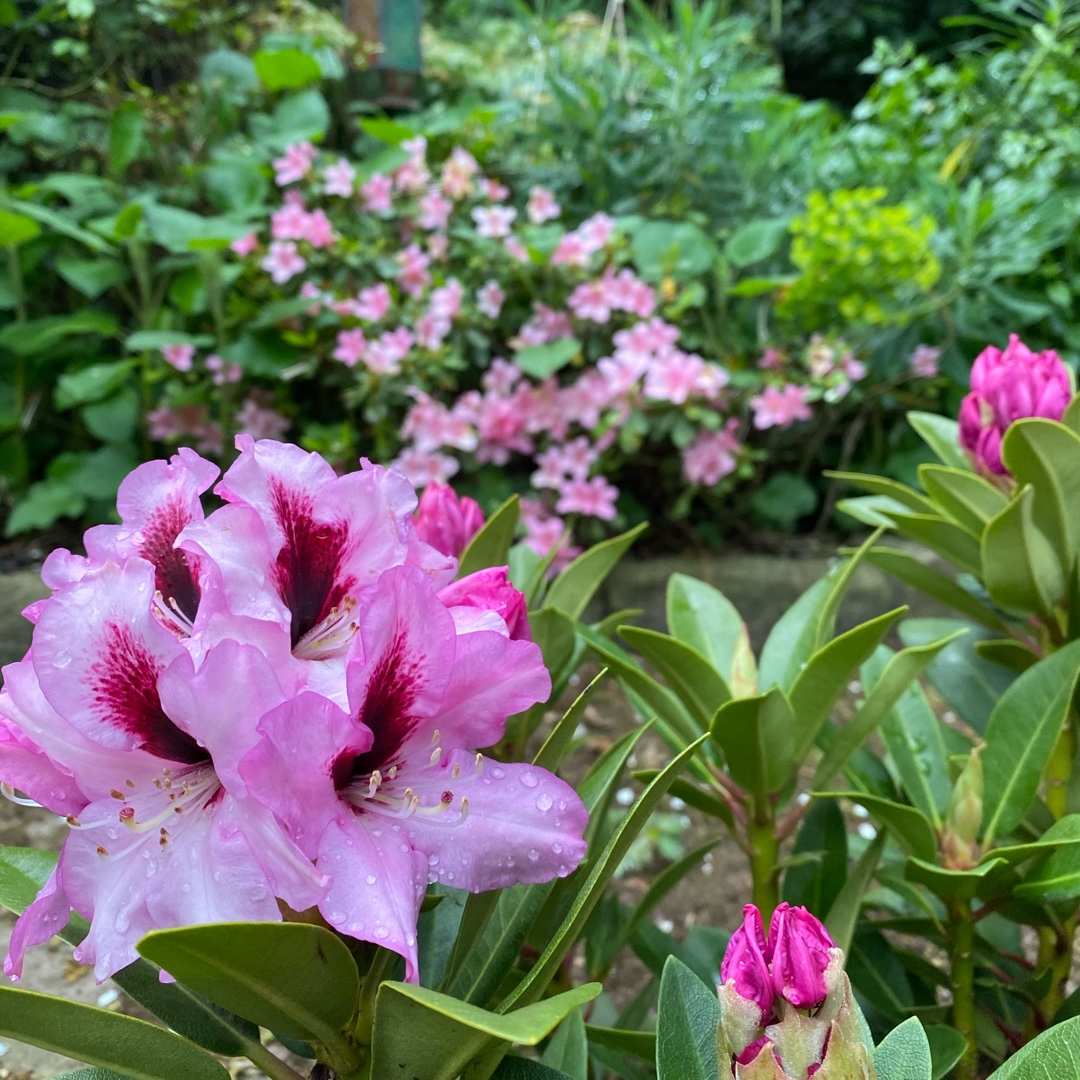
963	816
1009	385
445	521
799	954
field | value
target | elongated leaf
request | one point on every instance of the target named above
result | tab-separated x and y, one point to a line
568	1050
533	985
889	489
910	570
707	621
294	978
904	1054
965	496
420	1032
908	825
913	736
551	753
947	1047
1055	1053
757	736
844	913
59	223
686	1024
1064	833
942	435
1021	571
513	1067
943	536
692	795
1059	877
989	880
491	545
641	1044
897	676
700	687
1046	455
572	590
873	510
139	1050
1020	738
819	859
1007	653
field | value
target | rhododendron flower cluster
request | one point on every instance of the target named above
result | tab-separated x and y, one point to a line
470	331
279	704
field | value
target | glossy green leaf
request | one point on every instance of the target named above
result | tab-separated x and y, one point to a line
592	889
295	978
756	240
844	913
286	69
819	859
420	1032
942	435
572	590
1007	653
985	880
945	537
138	1050
757	736
551	753
1052	1055
514	1067
963	495
1046	455
125	135
568	1050
639	1044
51	219
91	277
1071	417
873	510
553	632
1058	878
826	675
38	335
17	228
908	826
886	488
1020	738
947	1047
693	796
1064	833
700	687
91	384
491	545
882	695
708	621
1020	569
904	1054
686	1023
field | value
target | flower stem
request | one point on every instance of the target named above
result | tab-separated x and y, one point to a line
962	978
1059	771
1055	952
380	965
764	848
270	1063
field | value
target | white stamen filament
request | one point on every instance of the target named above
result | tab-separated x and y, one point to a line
168	613
330	637
9	793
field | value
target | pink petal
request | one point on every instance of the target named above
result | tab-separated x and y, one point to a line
42	920
378	882
27	768
523	823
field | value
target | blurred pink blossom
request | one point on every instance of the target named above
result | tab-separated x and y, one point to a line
377	193
542	206
457	173
413	276
424	467
385	354
595	497
490	298
493	191
261	422
435	209
494	222
338	179
283	261
222	371
180	357
351	347
779	407
245	245
924	361
294	164
712	455
373	302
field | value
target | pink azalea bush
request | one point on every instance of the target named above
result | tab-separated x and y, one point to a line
464	332
278	703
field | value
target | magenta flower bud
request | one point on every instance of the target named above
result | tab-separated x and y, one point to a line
491	590
745	962
1007	386
445	521
799	947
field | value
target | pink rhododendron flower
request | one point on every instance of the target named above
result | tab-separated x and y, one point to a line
501	377
799	956
180	357
571	250
490	299
437	246
457	173
223	371
542	206
430	425
245	245
372	303
924	361
446	520
544	531
517	250
780	406
384	355
673	376
294	164
377	193
596	231
445	301
391	793
1009	385
712	455
289	221
491	590
338	179
493	191
413	176
590	300
261	422
435	209
771	360
423	467
318	231
351	347
595	497
283	261
494	222
431	330
746	962
413	276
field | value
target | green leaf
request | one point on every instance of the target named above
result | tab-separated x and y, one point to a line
947	1047
491	545
551	753
90	276
554	633
913	736
693	796
784	499
755	241
540	361
1057	879
950	885
873	510
600	873
700	687
181	231
59	223
963	495
114	420
676	248
37	335
125	136
572	590
708	622
757	736
43	504
301	116
844	913
513	1067
688	1016
885	692
91	384
942	435
17	228
1021	735
819	859
639	1044
904	1054
286	69
1021	572
945	537
909	826
420	1032
23	872
294	978
568	1050
912	571
1054	1053
888	489
138	1050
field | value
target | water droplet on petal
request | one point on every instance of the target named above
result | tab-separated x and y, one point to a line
371	879
557	848
533	854
433	860
336	916
409	939
543	802
497	773
529	779
381	932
